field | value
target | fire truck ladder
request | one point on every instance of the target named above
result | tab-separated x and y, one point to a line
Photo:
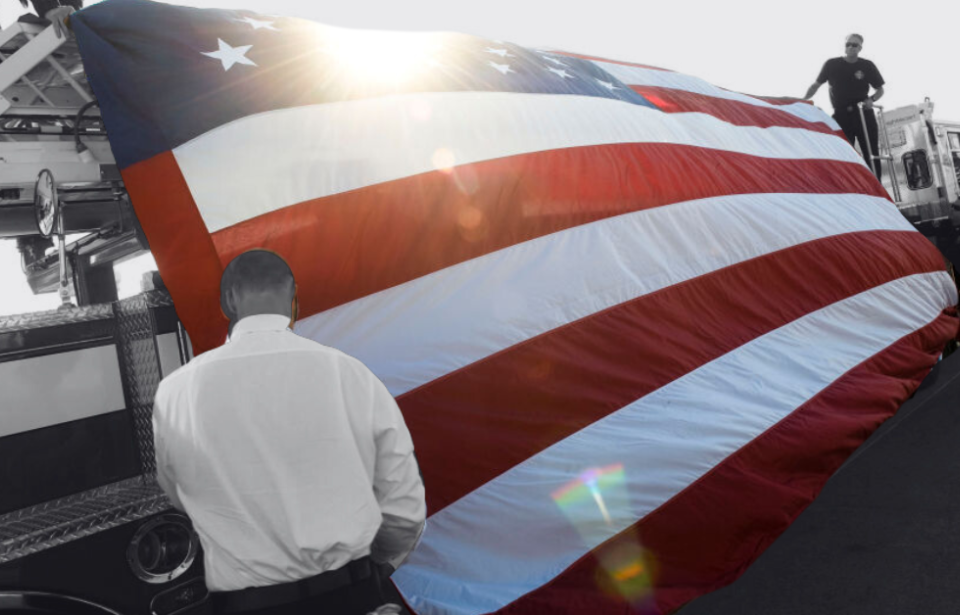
885	152
58	176
46	106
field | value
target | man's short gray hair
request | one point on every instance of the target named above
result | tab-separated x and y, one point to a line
859	36
256	271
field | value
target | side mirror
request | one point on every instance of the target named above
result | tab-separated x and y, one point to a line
49	212
46	203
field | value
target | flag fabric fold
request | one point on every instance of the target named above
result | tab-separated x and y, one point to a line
634	321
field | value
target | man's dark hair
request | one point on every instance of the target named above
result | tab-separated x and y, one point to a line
256	272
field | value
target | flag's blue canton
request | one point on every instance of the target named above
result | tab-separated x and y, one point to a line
166	74
478	64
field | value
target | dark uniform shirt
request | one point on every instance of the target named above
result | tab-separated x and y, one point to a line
849	81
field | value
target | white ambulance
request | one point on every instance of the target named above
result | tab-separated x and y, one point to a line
922	168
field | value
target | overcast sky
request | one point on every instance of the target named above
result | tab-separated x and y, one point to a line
752	46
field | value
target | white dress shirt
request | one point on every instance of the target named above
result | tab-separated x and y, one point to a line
290	457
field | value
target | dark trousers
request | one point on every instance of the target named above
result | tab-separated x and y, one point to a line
852	127
358	598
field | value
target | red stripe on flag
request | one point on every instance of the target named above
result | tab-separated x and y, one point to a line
705	537
773	100
188	259
469	432
732	111
778	100
350	245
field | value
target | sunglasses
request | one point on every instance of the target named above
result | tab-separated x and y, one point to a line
853	44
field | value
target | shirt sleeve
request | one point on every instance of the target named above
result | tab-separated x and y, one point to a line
397	484
876	80
164	473
824	75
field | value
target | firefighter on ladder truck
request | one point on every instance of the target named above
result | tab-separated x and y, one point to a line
922	155
850	78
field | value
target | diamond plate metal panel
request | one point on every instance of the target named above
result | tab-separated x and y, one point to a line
157	298
30	530
140	367
53	318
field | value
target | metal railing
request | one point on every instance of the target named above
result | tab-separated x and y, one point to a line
883	144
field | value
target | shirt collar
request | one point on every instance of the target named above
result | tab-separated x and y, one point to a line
261	322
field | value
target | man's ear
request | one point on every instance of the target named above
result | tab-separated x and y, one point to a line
294	308
228	304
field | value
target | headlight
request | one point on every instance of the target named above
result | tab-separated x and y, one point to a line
163	548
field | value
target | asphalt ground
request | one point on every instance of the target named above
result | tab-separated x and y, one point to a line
883	537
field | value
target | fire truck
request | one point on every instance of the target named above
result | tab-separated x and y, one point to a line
84	527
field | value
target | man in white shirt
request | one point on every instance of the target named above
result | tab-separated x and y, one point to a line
291	458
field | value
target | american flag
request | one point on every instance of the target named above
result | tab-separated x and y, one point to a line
634	321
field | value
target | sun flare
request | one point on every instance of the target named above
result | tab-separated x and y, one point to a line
383	56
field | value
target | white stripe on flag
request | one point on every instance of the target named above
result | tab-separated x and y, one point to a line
332	148
417	331
503	540
635	75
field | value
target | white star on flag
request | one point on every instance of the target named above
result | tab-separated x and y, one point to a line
503	68
552	59
560	71
503	53
230	55
257	23
607	85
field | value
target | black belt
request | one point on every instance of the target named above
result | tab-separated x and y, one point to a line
286	593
